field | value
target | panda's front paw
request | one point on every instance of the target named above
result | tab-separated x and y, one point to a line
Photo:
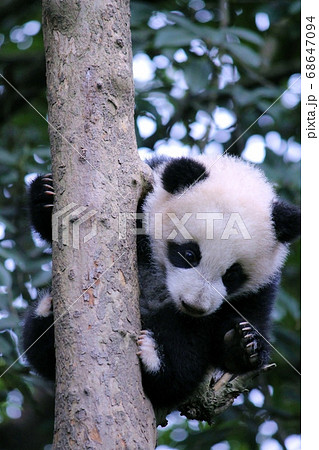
148	352
42	192
245	349
41	198
47	194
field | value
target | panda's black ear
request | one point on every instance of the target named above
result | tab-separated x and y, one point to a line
181	173
287	221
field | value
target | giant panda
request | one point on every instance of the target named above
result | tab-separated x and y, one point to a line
215	239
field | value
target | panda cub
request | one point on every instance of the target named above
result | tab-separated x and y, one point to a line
216	237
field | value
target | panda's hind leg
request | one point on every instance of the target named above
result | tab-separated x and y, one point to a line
38	336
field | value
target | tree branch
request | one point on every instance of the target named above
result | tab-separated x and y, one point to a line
213	398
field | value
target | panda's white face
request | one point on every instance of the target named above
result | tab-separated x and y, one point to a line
202	272
216	239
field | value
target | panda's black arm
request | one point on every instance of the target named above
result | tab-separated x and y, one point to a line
183	357
40	202
240	331
38	337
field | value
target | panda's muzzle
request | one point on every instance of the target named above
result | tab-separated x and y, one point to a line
193	310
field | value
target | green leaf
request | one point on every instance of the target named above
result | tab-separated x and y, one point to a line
43	152
5	252
196	75
5	277
245	55
8	224
185	23
140	13
295	7
246	35
41	279
213	37
7	157
9	177
7	323
288	304
173	37
4	301
6	347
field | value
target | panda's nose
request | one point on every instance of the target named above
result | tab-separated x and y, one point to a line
193	310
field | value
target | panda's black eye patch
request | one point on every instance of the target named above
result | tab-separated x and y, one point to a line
185	256
234	278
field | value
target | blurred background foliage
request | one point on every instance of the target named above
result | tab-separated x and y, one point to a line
210	76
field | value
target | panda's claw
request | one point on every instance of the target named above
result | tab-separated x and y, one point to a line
254	358
243	324
45	192
246	329
243	348
248	336
251	348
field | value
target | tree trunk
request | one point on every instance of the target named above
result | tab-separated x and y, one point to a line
96	173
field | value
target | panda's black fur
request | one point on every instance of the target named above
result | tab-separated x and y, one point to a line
180	340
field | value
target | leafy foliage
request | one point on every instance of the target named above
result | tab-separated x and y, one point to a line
212	78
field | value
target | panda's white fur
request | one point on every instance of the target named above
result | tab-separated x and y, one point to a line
44	306
148	351
232	186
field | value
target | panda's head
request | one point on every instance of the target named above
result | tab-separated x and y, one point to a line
217	229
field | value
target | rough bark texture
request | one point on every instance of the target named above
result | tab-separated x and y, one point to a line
100	402
211	397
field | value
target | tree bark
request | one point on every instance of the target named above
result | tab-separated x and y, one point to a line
100	403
